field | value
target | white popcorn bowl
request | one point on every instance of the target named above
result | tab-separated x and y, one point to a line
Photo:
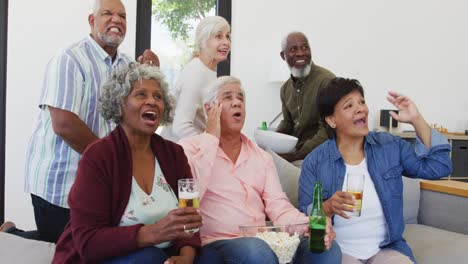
277	142
283	239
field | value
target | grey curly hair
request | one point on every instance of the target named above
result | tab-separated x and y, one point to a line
118	87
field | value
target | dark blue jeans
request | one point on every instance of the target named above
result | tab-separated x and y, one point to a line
50	221
158	256
251	250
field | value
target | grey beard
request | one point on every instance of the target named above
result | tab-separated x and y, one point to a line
300	73
109	41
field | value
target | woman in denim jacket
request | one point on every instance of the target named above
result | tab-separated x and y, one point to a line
375	236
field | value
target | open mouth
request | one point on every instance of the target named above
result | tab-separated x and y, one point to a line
223	51
360	122
301	62
149	116
114	30
237	115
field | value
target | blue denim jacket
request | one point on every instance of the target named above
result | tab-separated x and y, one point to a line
388	158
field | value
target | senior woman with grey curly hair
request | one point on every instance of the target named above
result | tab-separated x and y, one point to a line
123	204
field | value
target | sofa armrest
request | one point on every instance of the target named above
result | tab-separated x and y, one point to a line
443	208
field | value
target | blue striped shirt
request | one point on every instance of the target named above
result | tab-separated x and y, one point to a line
72	82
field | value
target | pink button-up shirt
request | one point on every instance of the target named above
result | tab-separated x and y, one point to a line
233	194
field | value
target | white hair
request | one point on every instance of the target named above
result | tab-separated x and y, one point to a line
215	86
284	41
207	27
96	6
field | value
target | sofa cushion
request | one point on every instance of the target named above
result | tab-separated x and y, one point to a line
432	245
288	176
15	249
411	196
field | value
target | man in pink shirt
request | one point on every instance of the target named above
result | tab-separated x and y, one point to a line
240	185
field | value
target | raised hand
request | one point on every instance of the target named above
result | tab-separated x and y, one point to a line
213	123
149	57
408	112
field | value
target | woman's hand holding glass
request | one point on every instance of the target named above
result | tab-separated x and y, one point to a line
338	203
170	227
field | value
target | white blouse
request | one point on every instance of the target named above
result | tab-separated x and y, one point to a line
143	208
360	237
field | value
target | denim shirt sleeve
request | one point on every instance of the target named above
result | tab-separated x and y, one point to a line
437	139
306	184
426	163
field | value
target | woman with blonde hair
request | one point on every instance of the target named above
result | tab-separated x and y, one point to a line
212	46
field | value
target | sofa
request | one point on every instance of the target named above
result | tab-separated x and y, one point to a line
436	223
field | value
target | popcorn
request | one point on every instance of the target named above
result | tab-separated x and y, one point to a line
282	244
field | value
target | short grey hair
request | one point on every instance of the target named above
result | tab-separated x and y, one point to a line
206	28
284	41
118	87
96	7
216	85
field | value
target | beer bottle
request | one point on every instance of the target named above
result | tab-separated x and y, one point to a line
264	126
317	221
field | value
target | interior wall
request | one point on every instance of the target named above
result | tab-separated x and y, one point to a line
419	48
416	47
36	31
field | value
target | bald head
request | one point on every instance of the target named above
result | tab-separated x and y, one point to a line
99	3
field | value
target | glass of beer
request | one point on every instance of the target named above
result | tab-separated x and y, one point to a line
355	186
188	195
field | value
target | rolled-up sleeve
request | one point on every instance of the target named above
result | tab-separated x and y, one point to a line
427	163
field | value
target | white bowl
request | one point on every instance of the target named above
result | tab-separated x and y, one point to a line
277	142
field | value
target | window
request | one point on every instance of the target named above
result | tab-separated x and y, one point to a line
173	50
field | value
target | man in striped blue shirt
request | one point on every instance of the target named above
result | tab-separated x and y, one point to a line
69	119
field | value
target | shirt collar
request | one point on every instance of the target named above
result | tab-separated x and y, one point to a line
246	144
101	53
335	153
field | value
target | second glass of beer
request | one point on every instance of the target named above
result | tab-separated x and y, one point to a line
189	195
355	186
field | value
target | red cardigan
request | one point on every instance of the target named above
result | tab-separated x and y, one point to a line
100	195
